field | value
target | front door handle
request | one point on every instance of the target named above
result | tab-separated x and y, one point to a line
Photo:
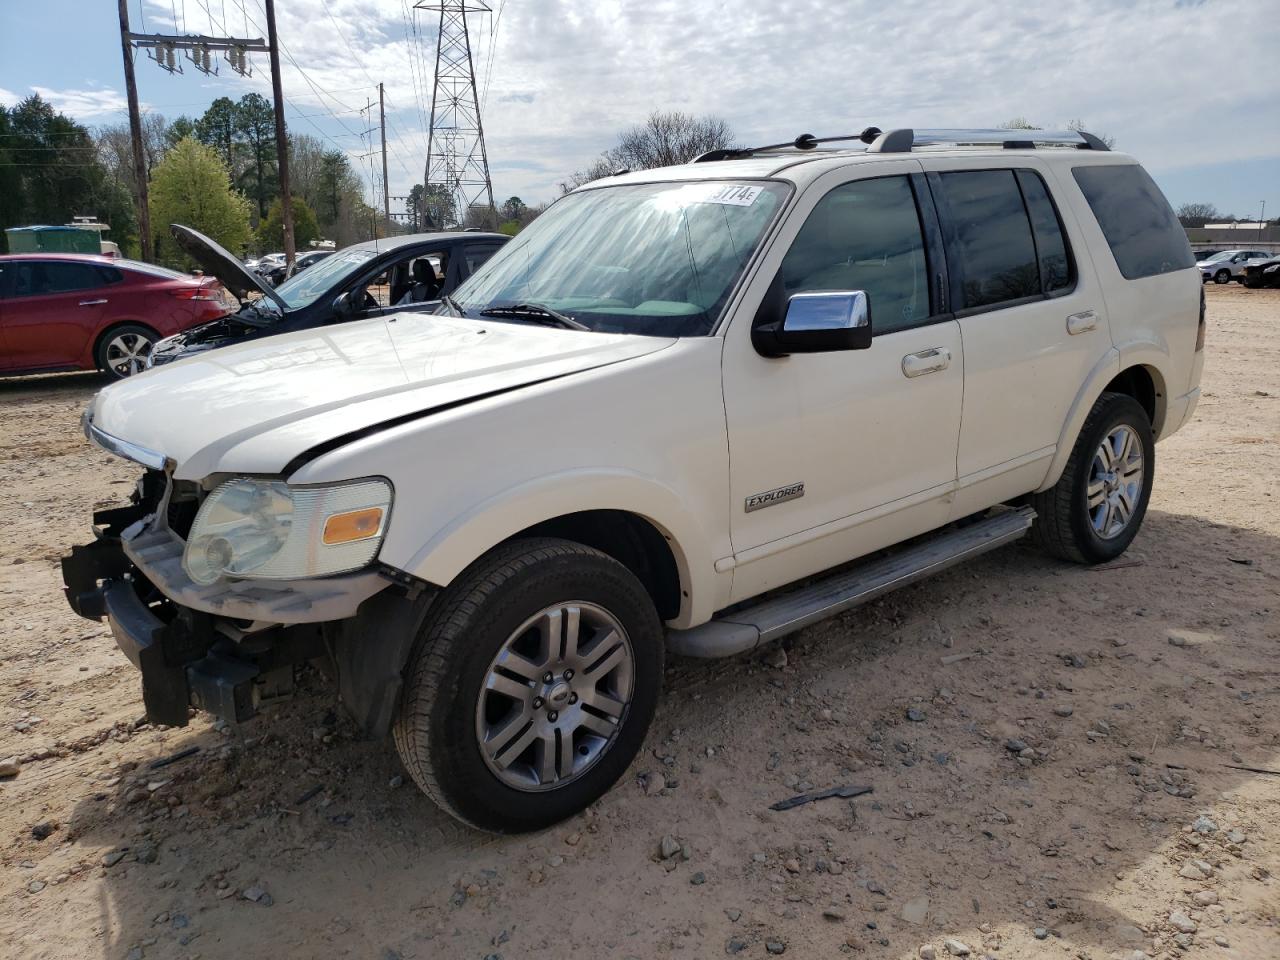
926	361
92	303
1082	322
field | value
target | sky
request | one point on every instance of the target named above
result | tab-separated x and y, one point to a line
1186	86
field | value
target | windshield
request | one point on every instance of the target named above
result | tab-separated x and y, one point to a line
303	288
1224	255
654	258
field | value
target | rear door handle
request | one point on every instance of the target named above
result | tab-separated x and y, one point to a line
92	303
1082	322
926	361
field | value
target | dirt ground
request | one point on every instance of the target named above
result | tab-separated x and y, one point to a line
1140	691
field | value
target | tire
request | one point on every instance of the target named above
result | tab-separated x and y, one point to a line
458	695
122	351
1066	526
1222	276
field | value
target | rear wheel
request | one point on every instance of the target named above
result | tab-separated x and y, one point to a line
1094	511
532	687
123	350
1222	276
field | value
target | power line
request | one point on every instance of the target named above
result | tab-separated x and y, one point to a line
338	29
493	51
416	67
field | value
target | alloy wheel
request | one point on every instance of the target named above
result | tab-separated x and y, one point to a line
1115	482
555	696
127	354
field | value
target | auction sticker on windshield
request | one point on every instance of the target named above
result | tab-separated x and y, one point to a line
735	194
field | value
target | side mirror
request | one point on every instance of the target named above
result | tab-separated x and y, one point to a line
343	307
817	323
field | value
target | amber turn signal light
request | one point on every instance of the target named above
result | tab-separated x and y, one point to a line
353	526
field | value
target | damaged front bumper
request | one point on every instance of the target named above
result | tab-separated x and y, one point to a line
226	649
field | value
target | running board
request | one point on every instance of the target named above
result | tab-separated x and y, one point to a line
786	613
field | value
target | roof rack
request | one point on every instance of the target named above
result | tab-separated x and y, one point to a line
904	140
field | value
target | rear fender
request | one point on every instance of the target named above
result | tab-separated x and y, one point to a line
1103	372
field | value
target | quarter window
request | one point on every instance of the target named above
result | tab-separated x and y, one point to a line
865	235
1141	229
993	240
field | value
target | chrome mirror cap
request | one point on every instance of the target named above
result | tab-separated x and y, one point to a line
827	310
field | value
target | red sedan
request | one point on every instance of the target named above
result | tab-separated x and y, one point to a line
70	312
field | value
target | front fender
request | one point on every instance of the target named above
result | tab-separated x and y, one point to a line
476	530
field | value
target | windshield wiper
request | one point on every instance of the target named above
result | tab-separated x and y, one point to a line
535	313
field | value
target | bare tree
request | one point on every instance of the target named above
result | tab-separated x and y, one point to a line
664	139
1197	214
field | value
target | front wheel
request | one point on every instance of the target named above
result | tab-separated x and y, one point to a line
532	686
1093	512
1222	276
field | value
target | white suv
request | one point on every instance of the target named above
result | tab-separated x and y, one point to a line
1229	265
657	420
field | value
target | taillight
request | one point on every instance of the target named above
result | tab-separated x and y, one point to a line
196	293
1200	330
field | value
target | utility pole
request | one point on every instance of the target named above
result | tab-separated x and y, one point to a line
386	191
163	49
135	136
282	142
456	156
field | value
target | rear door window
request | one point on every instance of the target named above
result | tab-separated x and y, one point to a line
1144	235
1057	271
477	254
68	277
992	239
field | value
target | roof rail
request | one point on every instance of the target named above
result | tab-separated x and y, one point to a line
806	141
904	140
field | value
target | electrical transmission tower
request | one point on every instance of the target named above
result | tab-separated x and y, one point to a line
457	167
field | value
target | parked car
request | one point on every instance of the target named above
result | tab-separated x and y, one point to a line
1228	265
277	275
265	263
1205	254
664	418
395	275
1264	273
86	312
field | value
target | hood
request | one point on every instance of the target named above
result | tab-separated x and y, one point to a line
217	262
254	407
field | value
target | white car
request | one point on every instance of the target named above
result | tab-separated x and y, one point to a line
1229	265
654	422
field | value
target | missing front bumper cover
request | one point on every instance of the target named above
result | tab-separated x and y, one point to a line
183	659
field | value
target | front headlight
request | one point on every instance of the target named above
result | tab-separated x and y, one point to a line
1271	269
266	529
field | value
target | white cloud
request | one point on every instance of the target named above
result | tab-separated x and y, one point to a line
567	76
8	98
84	105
